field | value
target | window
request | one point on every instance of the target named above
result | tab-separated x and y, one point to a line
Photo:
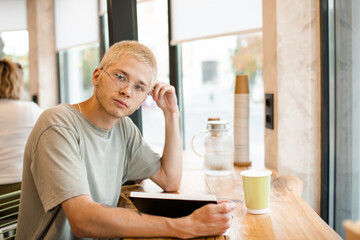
104	28
153	32
78	29
208	68
209	71
76	66
14	45
344	43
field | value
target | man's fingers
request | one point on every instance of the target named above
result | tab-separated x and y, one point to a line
157	88
215	218
224	201
225	207
155	91
160	89
226	217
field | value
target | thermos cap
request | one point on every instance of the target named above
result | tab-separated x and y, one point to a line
213	119
218	125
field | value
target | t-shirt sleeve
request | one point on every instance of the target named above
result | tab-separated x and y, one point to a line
143	162
57	167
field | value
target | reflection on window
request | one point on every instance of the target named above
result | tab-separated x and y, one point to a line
209	70
76	66
347	112
153	32
14	45
104	41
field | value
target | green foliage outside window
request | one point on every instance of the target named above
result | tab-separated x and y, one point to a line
247	58
90	59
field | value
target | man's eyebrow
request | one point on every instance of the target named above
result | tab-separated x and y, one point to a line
127	76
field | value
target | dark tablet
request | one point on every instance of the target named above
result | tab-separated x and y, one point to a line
169	204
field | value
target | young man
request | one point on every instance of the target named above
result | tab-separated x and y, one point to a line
78	156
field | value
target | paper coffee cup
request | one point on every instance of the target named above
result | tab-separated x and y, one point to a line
241	84
256	185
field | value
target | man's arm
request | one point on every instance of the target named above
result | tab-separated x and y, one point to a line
93	220
169	175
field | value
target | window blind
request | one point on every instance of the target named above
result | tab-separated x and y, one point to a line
76	23
198	19
13	15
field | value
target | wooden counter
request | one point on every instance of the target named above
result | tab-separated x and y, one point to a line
290	217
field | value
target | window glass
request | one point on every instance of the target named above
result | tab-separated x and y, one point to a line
153	32
209	70
14	45
104	33
347	112
76	66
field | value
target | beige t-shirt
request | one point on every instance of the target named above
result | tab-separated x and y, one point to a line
67	156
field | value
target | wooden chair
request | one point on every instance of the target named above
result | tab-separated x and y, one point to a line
352	230
9	208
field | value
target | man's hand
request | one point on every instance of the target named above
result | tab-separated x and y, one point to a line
165	97
209	220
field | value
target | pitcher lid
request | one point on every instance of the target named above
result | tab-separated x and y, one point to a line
218	125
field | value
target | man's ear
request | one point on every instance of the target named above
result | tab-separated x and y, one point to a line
96	77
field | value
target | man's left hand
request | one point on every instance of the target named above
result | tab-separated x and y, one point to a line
165	97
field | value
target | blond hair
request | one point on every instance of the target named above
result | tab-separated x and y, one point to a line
134	49
10	80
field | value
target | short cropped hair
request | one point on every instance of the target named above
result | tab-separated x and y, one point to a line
134	49
10	80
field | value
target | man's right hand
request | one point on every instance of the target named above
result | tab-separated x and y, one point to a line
209	220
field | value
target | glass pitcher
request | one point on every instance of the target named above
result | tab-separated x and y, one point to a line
218	153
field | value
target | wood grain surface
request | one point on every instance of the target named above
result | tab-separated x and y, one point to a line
289	217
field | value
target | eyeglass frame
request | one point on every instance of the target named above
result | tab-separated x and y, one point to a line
147	92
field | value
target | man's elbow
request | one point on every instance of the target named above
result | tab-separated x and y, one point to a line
80	225
172	186
80	212
79	229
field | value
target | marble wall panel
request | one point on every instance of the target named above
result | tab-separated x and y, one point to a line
298	32
299	94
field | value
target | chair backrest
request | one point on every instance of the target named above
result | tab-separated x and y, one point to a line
352	230
9	208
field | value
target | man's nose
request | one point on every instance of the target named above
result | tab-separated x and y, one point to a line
127	90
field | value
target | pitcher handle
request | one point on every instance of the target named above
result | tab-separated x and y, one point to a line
192	142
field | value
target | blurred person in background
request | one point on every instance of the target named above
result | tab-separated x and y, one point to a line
17	119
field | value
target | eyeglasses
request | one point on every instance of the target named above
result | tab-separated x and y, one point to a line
119	82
